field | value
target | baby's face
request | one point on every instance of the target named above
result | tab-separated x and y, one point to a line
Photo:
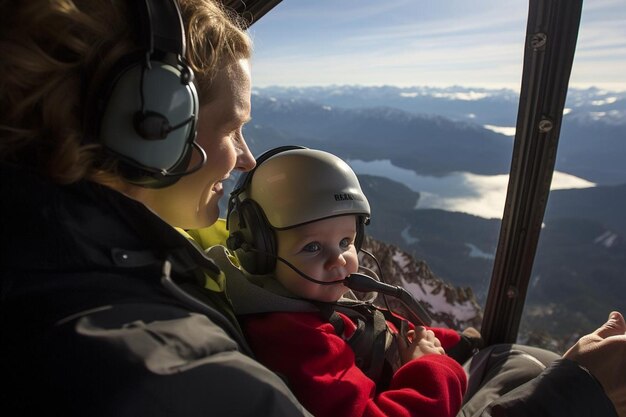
323	250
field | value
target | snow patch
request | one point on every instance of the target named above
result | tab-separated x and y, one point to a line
463	96
507	131
608	100
475	252
400	259
462	312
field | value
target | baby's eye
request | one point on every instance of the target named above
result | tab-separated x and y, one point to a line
345	242
312	247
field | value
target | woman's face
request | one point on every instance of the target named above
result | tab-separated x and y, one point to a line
192	202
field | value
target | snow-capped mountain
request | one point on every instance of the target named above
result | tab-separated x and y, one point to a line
448	305
479	105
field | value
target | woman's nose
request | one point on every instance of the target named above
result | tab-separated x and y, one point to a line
245	159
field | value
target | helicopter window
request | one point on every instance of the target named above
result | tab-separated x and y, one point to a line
422	103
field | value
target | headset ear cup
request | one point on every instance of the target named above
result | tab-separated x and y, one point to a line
257	243
165	96
239	240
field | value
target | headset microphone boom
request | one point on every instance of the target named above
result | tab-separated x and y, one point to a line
363	283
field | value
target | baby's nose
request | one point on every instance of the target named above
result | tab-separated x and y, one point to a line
336	260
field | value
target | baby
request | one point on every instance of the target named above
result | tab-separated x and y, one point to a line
296	226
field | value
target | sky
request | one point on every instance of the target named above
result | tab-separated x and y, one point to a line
476	43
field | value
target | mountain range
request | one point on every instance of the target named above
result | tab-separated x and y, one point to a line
435	119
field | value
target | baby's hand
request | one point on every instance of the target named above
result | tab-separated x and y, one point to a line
417	343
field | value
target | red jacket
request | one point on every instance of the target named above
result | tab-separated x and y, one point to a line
322	373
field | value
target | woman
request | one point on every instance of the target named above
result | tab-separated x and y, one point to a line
106	308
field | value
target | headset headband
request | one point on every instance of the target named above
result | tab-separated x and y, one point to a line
158	30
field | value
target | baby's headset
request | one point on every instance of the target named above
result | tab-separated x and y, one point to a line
146	111
251	236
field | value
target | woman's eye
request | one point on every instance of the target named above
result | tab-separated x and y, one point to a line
345	242
312	247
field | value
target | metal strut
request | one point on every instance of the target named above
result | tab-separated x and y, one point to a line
551	35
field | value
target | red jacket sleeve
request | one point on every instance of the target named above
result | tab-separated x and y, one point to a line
320	369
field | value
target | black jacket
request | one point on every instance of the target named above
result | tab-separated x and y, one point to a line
88	327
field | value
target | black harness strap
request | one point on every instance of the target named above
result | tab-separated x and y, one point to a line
369	340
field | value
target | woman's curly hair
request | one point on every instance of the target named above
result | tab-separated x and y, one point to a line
55	53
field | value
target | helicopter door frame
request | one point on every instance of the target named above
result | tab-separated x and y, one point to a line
551	34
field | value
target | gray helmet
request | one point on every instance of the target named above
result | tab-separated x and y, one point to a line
289	187
304	185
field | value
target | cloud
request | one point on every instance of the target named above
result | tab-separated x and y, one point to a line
404	43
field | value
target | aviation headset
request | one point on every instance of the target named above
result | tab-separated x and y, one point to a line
252	234
146	111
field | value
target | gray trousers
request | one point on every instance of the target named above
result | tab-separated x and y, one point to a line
498	369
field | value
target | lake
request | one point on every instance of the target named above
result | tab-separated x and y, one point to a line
480	195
